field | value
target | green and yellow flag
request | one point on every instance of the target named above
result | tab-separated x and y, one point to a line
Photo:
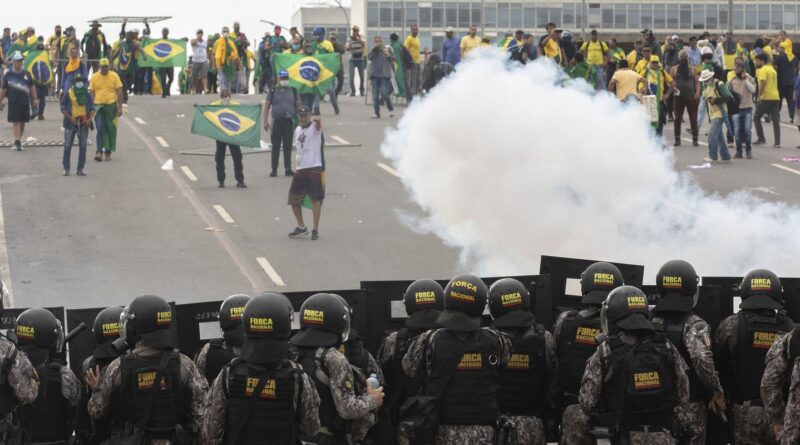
309	74
38	64
234	124
163	53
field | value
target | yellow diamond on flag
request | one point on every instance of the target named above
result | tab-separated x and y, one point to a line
309	72
229	121
162	50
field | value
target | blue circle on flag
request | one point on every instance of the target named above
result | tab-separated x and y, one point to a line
162	49
309	70
40	71
229	121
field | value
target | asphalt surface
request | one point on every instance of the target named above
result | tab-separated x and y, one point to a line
130	227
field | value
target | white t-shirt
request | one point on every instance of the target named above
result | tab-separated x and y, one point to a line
200	52
308	142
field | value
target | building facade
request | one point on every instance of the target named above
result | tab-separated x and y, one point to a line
622	18
333	19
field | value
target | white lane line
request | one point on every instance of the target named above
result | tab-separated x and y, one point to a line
188	172
388	169
683	209
140	121
162	142
5	266
224	214
690	141
340	140
792	126
270	271
788	169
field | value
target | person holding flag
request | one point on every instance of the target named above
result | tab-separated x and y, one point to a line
308	183
77	107
222	146
18	87
226	58
660	85
105	88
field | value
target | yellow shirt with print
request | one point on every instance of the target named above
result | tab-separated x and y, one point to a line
768	75
595	51
551	49
412	45
104	87
710	91
469	43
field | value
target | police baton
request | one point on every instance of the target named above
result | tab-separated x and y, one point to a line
74	332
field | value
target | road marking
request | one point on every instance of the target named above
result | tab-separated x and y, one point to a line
224	214
188	172
683	209
690	141
340	140
270	271
388	169
788	169
162	142
792	126
140	121
256	282
5	266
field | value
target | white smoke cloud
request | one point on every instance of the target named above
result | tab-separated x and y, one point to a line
508	166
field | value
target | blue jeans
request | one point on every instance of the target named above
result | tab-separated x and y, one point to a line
701	113
381	92
716	140
331	96
357	65
69	138
601	77
743	134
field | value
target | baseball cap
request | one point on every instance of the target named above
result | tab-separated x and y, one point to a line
448	29
303	110
104	62
17	56
283	74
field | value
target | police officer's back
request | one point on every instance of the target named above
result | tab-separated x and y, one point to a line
742	341
347	405
19	383
51	417
262	397
636	378
780	362
218	352
154	393
470	355
524	392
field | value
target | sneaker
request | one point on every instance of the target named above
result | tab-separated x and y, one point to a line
314	235
677	143
749	155
18	145
289	172
376	116
66	172
352	95
81	173
709	160
695	143
391	114
241	185
221	184
726	161
759	142
107	156
298	231
737	156
41	118
98	157
273	173
776	146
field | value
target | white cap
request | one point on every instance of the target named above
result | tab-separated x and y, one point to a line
706	50
706	75
674	37
448	29
17	56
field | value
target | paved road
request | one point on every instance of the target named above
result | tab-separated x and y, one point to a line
129	227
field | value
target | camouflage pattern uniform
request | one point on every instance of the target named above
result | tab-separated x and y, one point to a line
200	359
216	412
592	386
791	421
697	338
70	386
111	381
21	376
453	434
778	371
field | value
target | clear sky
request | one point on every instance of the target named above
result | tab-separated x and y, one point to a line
187	16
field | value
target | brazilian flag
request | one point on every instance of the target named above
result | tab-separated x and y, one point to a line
234	124
163	53
38	64
309	74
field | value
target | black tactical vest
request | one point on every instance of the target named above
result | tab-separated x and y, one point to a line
356	354
217	357
49	418
399	386
270	420
755	336
311	359
576	343
640	386
673	327
524	380
171	402
471	395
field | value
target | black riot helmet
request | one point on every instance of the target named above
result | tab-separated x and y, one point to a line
148	318
598	280
761	289
625	309
324	321
106	325
424	301
267	325
677	287
39	329
464	301
230	319
510	304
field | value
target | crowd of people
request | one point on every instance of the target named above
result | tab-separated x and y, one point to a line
611	368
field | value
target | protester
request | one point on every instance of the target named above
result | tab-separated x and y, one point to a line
626	83
743	86
396	48
381	60
615	55
166	74
596	53
309	178
451	51
78	110
356	47
785	64
199	63
226	58
19	88
74	67
581	69
339	49
412	45
94	46
686	97
660	85
236	151
768	100
284	102
127	55
106	90
715	103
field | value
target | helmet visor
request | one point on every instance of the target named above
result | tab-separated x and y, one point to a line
604	319
59	337
124	329
346	327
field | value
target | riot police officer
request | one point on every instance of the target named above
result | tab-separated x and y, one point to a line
154	394
636	378
423	301
677	296
345	412
780	360
789	433
524	391
19	383
742	341
51	417
262	396
462	362
218	352
575	332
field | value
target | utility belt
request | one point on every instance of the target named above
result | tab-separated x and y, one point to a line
130	433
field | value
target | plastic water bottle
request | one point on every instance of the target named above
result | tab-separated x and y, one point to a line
373	382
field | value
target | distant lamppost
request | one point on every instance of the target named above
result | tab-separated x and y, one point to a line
344	11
